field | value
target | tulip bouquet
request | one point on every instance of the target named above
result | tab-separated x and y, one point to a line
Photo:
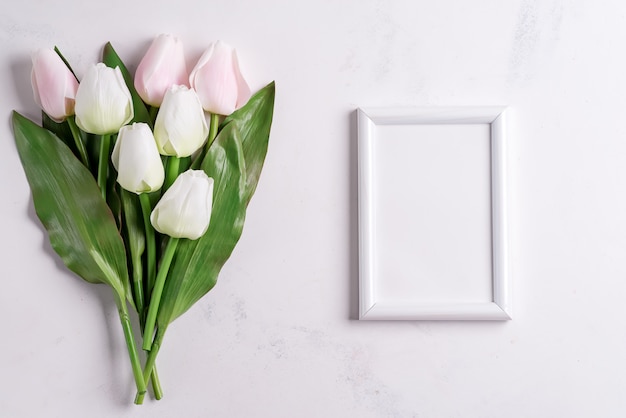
135	188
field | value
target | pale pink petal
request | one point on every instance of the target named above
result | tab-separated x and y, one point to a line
243	90
163	66
216	80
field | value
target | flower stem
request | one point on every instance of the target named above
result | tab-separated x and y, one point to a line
173	164
155	298
156	383
154	351
154	378
80	146
149	371
146	208
103	164
130	344
138	284
214	125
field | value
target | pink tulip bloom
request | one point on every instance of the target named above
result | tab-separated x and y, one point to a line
218	80
54	85
162	67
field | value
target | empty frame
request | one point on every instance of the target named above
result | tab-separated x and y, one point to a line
432	214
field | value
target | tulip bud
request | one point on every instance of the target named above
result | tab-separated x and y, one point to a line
103	101
162	67
54	85
180	128
137	160
184	211
218	80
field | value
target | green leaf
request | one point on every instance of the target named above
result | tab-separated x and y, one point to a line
135	240
253	122
64	132
111	59
113	196
69	67
197	263
234	161
61	130
68	202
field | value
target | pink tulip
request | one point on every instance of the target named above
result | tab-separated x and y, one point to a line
162	67
218	80
54	85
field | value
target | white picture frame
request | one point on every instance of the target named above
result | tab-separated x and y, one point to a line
487	127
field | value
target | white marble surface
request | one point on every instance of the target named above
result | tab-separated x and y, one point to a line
277	336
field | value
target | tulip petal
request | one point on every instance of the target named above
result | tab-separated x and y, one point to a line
181	127
218	81
103	101
195	210
184	211
137	160
54	85
243	90
162	67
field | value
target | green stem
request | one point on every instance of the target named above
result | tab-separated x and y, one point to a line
103	164
80	146
150	370
214	125
146	208
139	302
154	378
155	298
138	295
156	383
138	284
173	164
130	344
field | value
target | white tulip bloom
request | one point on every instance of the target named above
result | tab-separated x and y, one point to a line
103	101
137	160
180	128
184	211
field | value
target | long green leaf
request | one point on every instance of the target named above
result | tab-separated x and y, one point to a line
61	130
67	200
253	122
197	263
111	59
65	61
135	239
234	161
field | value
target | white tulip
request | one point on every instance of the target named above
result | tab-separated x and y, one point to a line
184	211
103	101
137	160
180	128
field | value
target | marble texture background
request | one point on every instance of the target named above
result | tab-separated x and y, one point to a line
278	337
